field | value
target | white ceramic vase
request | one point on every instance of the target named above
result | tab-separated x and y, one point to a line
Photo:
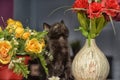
90	63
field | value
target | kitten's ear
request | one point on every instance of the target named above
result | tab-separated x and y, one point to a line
46	26
63	24
62	21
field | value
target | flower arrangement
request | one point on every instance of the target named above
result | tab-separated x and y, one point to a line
17	40
93	15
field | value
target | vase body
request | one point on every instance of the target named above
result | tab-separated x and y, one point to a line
8	74
90	63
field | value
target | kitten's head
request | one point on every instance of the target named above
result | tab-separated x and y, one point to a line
56	30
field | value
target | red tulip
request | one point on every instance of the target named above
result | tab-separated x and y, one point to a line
94	10
81	4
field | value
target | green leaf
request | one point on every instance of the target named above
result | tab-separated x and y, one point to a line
41	34
93	26
100	23
21	46
92	35
83	20
83	31
7	36
93	29
43	62
1	35
21	68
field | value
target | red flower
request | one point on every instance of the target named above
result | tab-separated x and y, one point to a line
111	7
117	17
81	4
94	10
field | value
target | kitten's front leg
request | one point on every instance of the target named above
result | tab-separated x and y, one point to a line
68	72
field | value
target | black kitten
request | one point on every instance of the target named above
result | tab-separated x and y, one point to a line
57	40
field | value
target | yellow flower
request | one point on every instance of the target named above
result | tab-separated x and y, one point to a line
26	35
13	24
5	47
33	46
18	24
10	21
0	29
19	32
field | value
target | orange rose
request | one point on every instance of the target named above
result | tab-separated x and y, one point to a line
33	46
19	32
26	35
5	47
18	24
10	21
13	24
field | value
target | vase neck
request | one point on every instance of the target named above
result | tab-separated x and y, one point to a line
90	42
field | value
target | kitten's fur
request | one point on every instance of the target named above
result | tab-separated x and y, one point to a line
57	40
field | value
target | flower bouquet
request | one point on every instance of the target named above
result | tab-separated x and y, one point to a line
93	15
16	40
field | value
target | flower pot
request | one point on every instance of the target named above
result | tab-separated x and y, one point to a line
8	74
90	63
